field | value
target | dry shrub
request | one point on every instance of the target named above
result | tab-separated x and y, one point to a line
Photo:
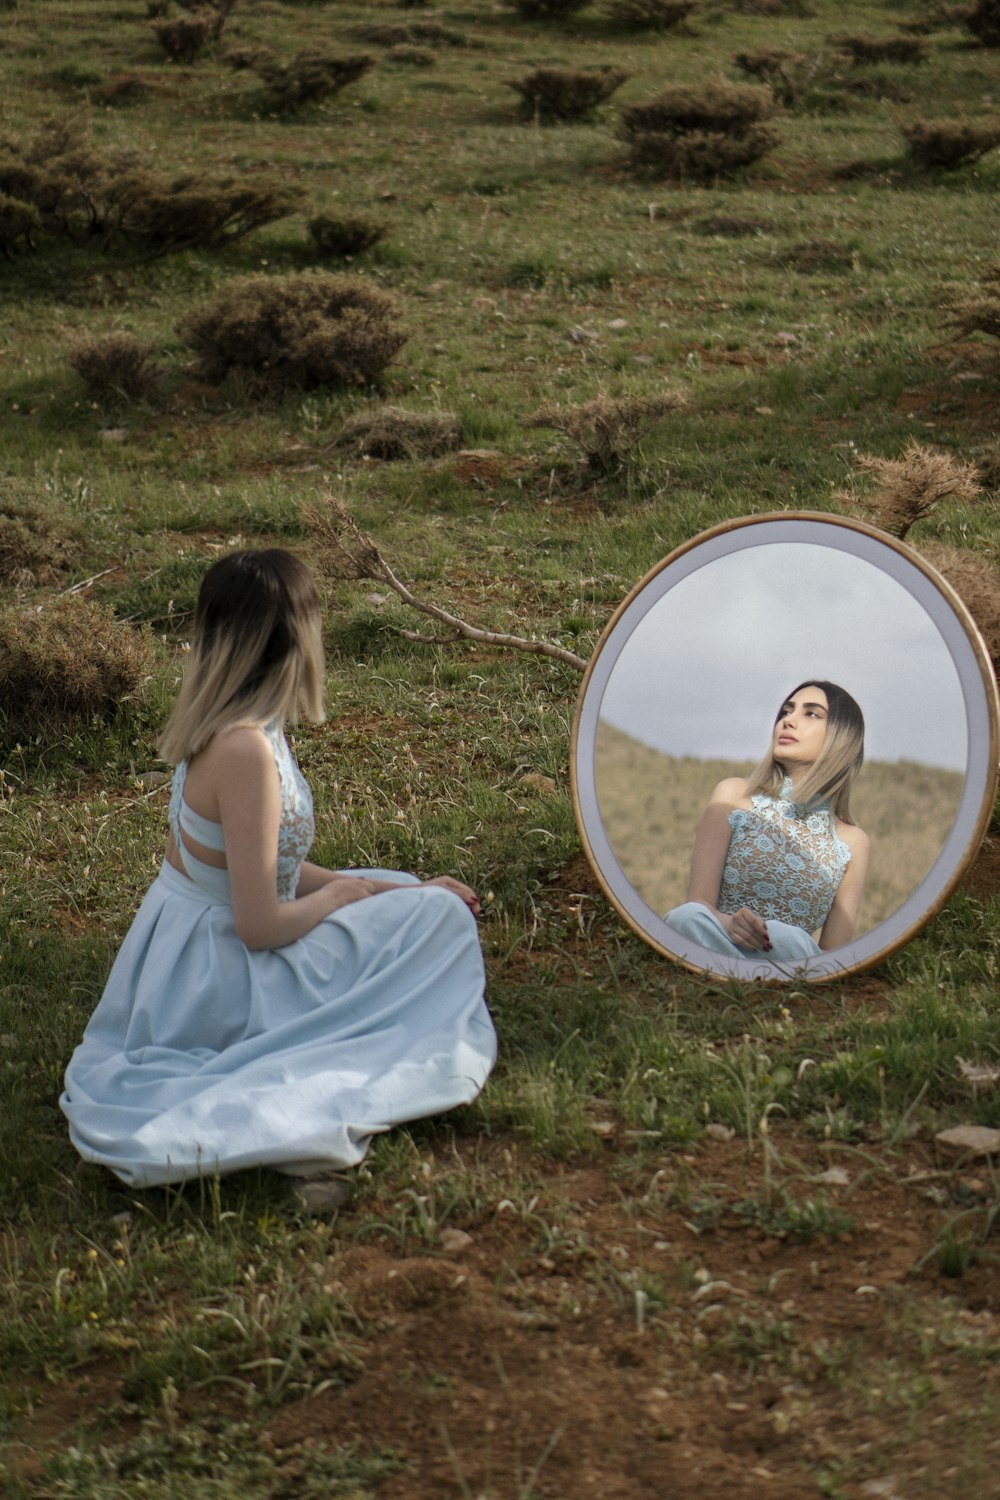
192	210
978	314
79	192
64	662
546	10
976	580
19	222
882	49
607	428
908	488
344	237
185	38
787	74
425	33
413	57
309	77
313	328
127	89
648	15
116	368
392	433
35	546
566	93
699	131
983	20
949	143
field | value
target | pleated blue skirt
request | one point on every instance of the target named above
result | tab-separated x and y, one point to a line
205	1057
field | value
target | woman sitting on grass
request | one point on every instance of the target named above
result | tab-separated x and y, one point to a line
264	1011
777	859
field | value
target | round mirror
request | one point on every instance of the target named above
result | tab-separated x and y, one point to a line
683	694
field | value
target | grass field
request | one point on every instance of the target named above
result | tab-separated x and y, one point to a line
695	1238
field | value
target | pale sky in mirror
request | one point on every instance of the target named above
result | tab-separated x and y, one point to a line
706	669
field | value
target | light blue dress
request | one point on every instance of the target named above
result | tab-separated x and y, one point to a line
204	1057
785	862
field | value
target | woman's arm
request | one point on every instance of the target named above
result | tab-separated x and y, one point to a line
708	861
842	917
243	776
313	877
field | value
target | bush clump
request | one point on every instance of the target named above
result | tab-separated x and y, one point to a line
72	189
699	131
310	77
116	368
184	38
908	488
978	314
392	433
983	20
19	222
566	93
788	74
882	49
648	15
35	544
344	237
546	10
607	428
949	143
64	662
312	328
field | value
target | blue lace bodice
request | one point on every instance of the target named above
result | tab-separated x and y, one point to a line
785	862
295	834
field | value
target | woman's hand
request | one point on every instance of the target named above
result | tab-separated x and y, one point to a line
466	892
747	930
344	890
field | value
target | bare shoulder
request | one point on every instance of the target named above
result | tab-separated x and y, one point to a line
854	837
243	751
731	793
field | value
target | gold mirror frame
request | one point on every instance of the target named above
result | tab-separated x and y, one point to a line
975	688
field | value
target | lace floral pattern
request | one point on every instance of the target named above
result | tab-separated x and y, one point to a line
785	862
295	834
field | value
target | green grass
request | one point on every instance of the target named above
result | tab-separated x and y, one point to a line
504	242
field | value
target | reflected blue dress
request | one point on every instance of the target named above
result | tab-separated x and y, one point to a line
204	1057
785	862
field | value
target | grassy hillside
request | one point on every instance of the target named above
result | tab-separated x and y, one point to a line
695	1238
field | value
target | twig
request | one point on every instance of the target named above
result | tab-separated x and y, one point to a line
355	554
77	588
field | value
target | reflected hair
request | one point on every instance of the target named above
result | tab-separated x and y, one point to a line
256	653
830	779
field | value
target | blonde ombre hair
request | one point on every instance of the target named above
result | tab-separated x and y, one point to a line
257	651
830	778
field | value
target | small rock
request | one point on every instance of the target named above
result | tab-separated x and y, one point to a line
376	599
764	411
617	323
785	340
642	359
8	1039
538	782
113	434
602	1127
835	1176
454	1241
969	1140
719	1132
123	1220
323	1194
149	779
580	335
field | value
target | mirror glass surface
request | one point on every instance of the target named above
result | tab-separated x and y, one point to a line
684	687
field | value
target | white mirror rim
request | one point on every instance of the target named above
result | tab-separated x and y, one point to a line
974	672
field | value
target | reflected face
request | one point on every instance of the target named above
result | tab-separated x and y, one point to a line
800	730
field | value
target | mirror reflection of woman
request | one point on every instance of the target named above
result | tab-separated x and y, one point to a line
778	866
